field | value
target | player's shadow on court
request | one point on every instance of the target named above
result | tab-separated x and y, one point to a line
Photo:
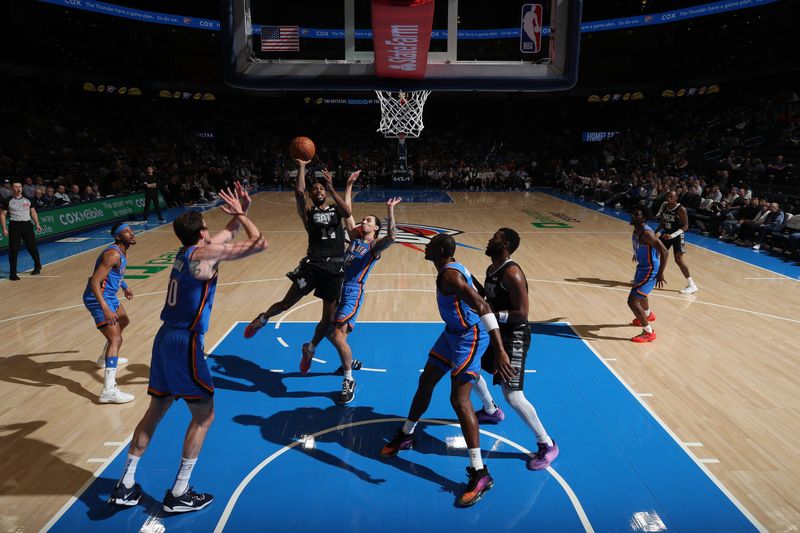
584	331
21	369
366	439
601	282
269	383
16	445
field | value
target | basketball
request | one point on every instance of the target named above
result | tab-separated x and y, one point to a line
302	148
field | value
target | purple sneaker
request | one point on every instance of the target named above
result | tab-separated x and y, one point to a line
486	418
479	482
543	457
401	441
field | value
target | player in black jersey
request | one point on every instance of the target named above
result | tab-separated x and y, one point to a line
673	222
506	291
322	269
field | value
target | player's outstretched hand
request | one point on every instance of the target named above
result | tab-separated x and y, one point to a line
128	293
391	202
504	368
327	179
232	204
353	177
244	196
660	282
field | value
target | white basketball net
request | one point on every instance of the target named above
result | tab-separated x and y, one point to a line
401	113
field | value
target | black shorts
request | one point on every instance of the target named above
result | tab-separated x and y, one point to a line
678	242
516	341
322	276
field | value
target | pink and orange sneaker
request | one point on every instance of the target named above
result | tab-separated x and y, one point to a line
305	359
479	483
253	327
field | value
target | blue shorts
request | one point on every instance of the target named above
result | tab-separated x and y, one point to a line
644	281
350	302
178	367
460	352
93	306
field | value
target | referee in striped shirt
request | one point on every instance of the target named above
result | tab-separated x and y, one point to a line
20	228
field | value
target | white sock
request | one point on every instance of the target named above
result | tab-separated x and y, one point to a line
110	374
184	473
475	459
130	471
348	374
482	390
689	281
648	328
646	312
408	427
517	400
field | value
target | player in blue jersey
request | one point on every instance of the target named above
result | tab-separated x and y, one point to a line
178	368
470	326
100	298
650	256
363	252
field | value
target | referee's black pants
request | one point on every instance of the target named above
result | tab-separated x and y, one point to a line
151	195
21	231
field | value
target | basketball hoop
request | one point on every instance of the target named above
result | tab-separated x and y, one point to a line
401	113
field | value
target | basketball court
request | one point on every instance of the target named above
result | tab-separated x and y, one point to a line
691	432
696	431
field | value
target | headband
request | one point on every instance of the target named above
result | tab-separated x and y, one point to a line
120	230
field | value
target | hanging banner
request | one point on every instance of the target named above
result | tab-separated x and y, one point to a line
401	36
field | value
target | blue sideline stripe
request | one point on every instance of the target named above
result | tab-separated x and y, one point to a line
622	465
758	258
638	21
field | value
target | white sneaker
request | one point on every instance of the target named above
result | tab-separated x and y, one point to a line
101	361
114	395
757	247
689	289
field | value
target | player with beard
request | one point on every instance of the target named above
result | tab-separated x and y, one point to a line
651	256
322	269
110	317
506	291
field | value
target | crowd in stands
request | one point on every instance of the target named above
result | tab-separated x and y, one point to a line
714	164
718	152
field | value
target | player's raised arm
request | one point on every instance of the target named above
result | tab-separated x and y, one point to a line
230	231
350	222
389	239
453	282
300	191
341	207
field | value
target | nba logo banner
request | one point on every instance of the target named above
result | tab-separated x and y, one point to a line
530	34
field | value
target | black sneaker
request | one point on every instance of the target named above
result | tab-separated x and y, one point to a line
122	495
13	277
36	271
356	365
348	391
188	501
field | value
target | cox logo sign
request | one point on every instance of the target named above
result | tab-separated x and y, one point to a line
206	24
73	2
669	16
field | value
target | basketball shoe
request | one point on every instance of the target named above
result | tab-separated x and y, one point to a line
486	418
186	502
650	318
401	441
253	327
543	457
479	482
122	495
305	359
644	336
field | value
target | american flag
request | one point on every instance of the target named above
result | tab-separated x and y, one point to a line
276	38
